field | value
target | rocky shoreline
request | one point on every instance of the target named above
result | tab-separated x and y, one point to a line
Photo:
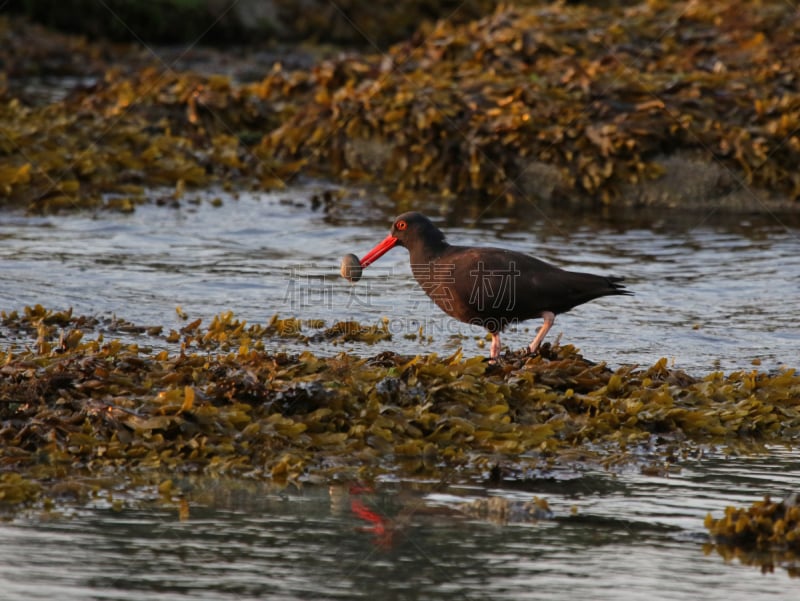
684	107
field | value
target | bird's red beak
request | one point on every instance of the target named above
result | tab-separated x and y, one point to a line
380	249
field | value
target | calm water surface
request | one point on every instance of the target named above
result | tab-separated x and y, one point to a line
711	293
624	536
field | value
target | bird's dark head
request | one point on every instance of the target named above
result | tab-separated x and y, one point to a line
412	230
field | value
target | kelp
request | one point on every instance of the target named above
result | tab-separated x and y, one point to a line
479	108
765	534
144	130
546	102
223	400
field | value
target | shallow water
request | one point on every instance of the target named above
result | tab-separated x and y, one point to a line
711	292
612	536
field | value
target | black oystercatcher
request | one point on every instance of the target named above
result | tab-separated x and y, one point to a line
490	287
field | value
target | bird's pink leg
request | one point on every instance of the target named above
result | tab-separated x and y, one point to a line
495	352
549	318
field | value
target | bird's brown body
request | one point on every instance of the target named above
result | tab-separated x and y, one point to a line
490	287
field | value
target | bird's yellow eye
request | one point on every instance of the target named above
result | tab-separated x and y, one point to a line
401	225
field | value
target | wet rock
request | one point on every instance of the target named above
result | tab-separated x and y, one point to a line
303	397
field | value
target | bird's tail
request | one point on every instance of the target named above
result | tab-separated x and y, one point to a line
615	287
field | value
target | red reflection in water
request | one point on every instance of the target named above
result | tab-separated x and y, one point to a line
381	526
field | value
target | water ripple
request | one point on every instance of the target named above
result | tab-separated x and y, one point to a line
711	293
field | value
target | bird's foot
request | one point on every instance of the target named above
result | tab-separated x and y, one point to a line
551	350
545	351
493	365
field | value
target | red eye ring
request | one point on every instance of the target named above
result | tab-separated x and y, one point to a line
401	225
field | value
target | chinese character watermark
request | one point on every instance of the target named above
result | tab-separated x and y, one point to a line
497	285
307	290
435	279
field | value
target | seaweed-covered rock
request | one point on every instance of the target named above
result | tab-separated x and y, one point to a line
764	525
223	402
468	109
686	105
765	534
